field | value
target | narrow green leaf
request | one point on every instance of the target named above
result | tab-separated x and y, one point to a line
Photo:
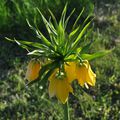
11	40
20	44
36	52
48	26
45	40
81	34
63	16
31	44
53	17
86	19
61	34
53	37
95	55
40	35
73	32
66	22
74	25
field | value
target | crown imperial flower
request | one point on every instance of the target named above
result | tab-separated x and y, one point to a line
59	87
85	75
33	69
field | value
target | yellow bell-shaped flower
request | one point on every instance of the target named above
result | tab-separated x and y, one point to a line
33	69
85	75
59	87
70	71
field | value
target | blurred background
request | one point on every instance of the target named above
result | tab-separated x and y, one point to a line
101	102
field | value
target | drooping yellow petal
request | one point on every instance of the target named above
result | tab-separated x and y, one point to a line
91	77
51	89
62	90
70	71
33	69
80	73
85	74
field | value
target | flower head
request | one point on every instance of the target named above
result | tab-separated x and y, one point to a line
85	75
59	87
33	69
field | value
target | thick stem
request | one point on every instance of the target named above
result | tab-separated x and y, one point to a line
66	111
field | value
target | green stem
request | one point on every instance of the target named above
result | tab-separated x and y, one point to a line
66	111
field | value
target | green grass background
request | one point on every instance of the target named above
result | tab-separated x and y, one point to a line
101	102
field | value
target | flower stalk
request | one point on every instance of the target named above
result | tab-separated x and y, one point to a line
66	111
